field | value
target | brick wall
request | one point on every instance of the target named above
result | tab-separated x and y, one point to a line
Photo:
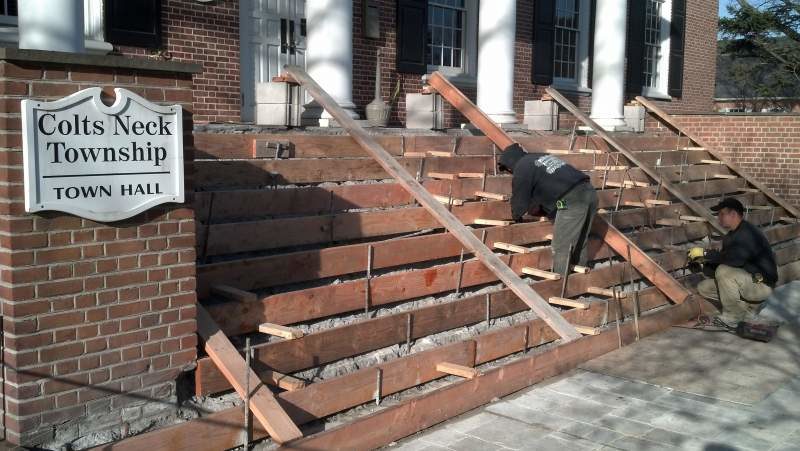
208	34
205	34
98	319
766	147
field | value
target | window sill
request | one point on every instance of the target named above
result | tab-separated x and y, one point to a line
573	89
656	95
460	80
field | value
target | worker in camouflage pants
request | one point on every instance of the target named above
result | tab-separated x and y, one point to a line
544	185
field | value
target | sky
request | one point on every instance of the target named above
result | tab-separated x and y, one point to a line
723	10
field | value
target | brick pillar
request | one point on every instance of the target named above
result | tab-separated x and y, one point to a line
98	319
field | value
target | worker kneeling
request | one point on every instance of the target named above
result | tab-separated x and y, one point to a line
744	269
544	185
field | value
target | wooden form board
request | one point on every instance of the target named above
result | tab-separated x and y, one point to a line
222	430
581	116
262	403
663	115
450	222
316	348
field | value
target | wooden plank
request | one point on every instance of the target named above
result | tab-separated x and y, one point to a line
471	175
600	291
591	151
262	403
470	242
567	302
457	370
711	161
492	222
657	202
511	247
627	184
289	333
233	293
415	154
760	207
663	115
540	273
478	118
611	168
487	195
442	176
630	203
436	153
725	176
692	218
448	200
579	269
580	115
585	330
669	222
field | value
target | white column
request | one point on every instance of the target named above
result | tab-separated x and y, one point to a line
608	80
51	25
329	54
497	22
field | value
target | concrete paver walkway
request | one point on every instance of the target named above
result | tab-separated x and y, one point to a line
681	389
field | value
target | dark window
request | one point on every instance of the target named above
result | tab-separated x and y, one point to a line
134	22
8	7
412	21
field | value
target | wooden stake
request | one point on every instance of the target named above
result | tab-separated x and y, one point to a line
460	272
511	247
248	432
540	273
367	291
610	293
277	330
588	330
488	309
492	222
494	196
378	386
566	302
442	176
457	370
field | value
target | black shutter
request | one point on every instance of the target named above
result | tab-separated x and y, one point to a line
543	36
637	12
133	22
592	14
677	41
412	32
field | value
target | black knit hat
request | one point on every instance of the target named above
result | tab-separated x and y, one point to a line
510	157
731	203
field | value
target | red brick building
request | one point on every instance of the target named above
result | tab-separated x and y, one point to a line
672	59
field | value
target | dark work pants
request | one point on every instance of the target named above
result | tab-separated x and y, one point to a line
572	226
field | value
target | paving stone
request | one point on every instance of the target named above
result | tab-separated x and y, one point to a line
593	433
442	436
623	425
529	416
689	423
470	443
781	400
576	442
743	439
773	427
641	390
730	412
551	443
415	444
637	444
789	446
642	414
509	433
671	438
598	380
469	423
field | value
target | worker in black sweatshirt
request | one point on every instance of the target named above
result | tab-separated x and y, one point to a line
744	269
544	185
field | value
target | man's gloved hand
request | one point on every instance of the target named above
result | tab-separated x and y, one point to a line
696	254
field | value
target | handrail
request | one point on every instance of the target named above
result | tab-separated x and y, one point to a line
666	117
663	181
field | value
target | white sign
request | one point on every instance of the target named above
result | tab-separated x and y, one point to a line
104	163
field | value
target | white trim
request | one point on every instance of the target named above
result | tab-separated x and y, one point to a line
469	71
581	81
661	92
93	28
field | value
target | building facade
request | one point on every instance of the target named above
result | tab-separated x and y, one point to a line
502	53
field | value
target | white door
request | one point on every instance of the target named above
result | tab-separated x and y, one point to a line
272	34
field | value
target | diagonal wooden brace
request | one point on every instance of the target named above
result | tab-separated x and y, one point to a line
613	237
262	402
581	116
436	209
